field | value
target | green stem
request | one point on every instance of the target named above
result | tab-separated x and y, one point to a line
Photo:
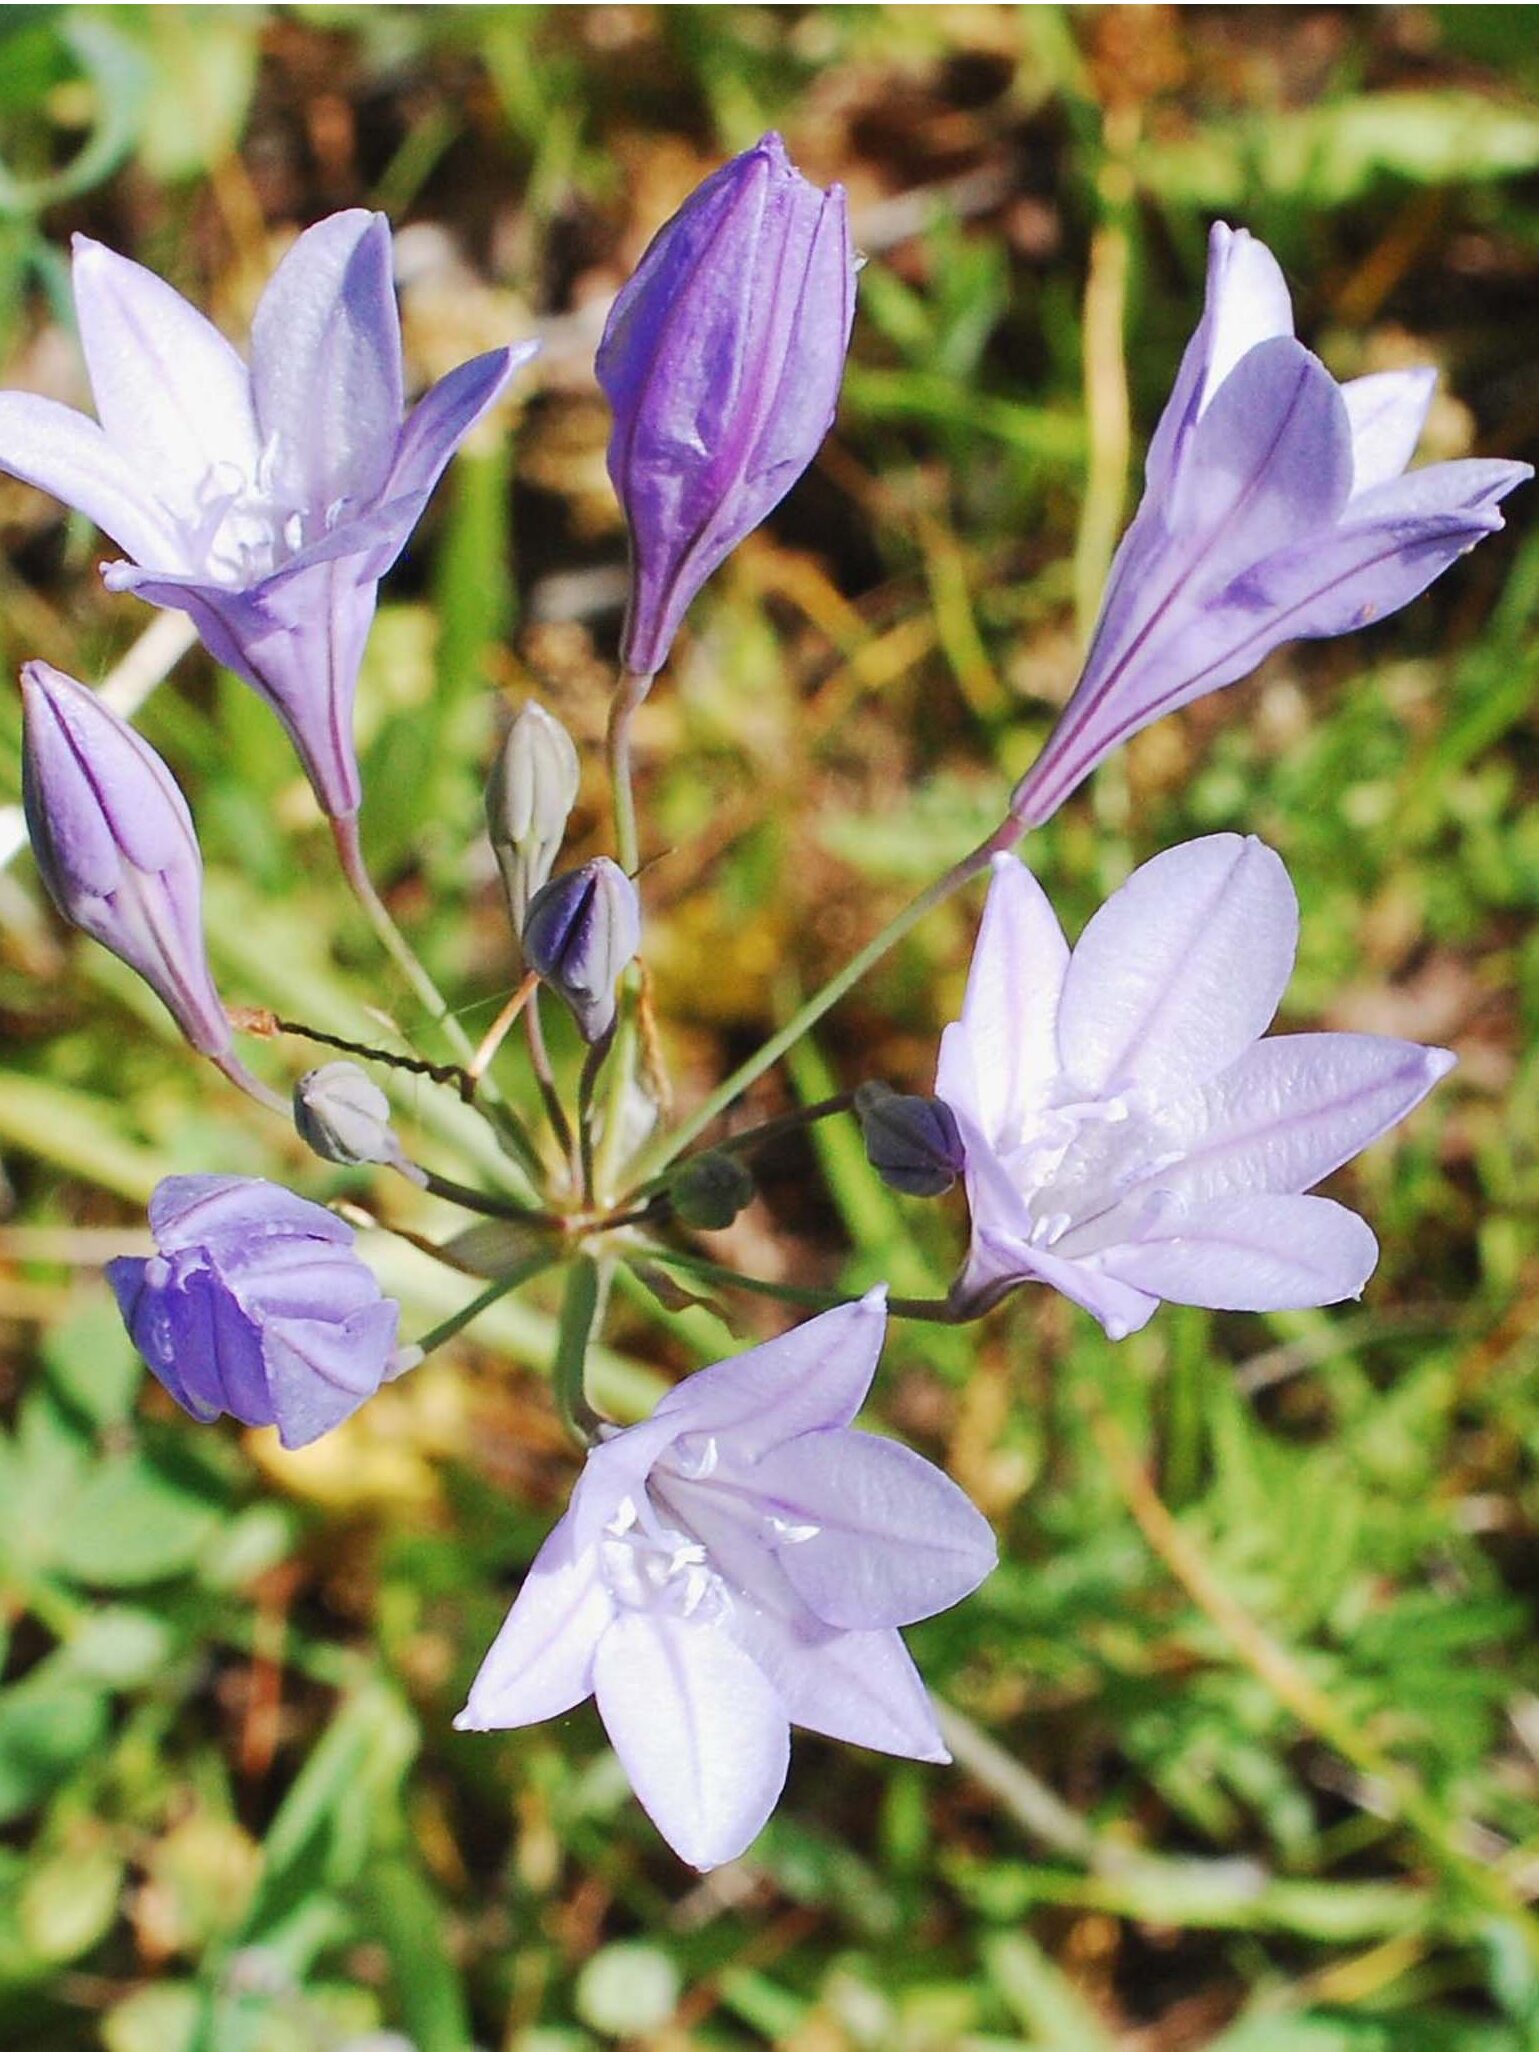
629	692
933	1310
501	1286
581	1310
434	1003
670	1145
479	1201
773	1129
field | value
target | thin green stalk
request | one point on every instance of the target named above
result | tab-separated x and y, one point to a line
670	1145
500	1286
773	1129
629	692
479	1200
581	1311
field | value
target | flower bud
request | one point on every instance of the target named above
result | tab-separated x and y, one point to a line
342	1115
115	846
255	1303
721	360
529	798
581	930
912	1142
709	1190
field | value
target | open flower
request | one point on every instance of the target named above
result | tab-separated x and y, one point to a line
1128	1135
1276	507
722	360
257	1305
738	1564
265	502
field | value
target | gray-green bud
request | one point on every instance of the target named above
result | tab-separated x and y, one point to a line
529	798
342	1115
911	1142
709	1190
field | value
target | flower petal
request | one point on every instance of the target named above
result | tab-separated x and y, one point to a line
1386	413
326	362
1250	1254
810	1378
1000	1061
1180	970
171	393
320	1370
701	1732
871	1533
447	412
1246	302
861	1687
1292	1109
541	1663
63	453
997	1263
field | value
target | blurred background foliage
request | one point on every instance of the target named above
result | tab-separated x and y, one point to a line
1247	1723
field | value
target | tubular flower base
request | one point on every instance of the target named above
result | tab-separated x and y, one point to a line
257	1305
1128	1135
722	360
738	1564
1276	508
115	846
267	502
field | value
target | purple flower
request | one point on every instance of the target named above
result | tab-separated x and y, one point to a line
1129	1136
115	846
722	359
257	1305
580	932
738	1564
1276	508
264	502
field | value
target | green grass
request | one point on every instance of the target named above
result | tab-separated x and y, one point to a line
1247	1722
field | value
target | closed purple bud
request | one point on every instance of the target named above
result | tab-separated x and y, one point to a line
257	1305
115	846
582	929
911	1142
529	798
721	360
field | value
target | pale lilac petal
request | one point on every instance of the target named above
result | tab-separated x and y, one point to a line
1250	1254
615	1470
701	1732
208	1211
1246	302
326	361
1291	1110
998	1064
861	1687
541	1663
1387	412
447	412
996	1264
172	394
810	1378
1180	970
63	453
868	1532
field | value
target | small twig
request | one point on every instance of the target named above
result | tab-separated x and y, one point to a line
495	1035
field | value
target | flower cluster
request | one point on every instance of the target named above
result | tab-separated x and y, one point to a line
744	1559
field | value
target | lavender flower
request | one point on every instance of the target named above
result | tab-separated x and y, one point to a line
257	1305
1128	1135
115	847
722	359
738	1564
1276	508
266	502
581	930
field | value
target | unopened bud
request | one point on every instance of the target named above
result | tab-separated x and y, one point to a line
529	798
709	1191
911	1142
342	1115
580	932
